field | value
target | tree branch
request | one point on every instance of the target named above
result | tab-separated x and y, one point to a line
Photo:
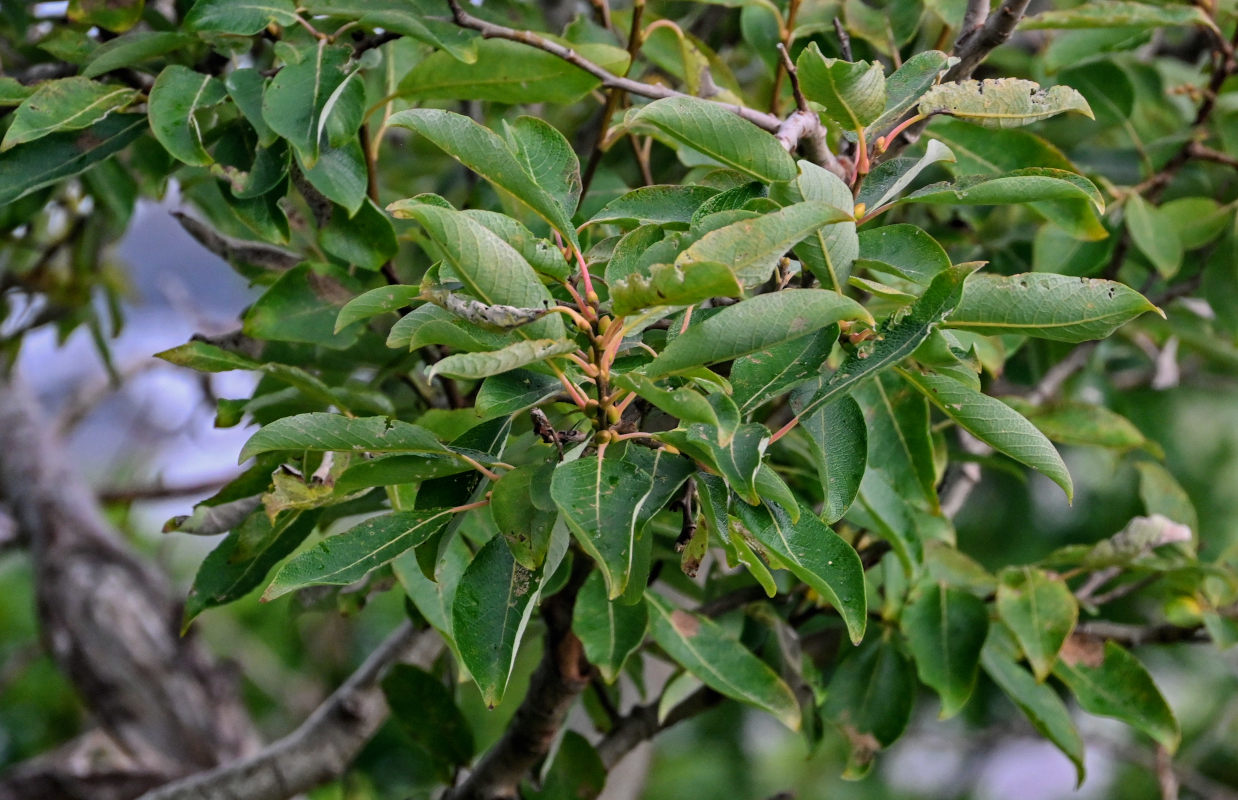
641	724
323	746
973	48
107	618
1136	635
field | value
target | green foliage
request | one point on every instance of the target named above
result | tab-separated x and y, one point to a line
646	362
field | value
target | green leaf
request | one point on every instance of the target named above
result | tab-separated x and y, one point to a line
1085	424
854	94
485	153
870	698
34	165
13	93
610	631
1020	186
382	300
1038	701
945	629
510	72
177	98
710	129
673	285
548	157
1117	14
1041	612
242	17
1155	235
903	250
471	366
840	438
426	711
899	437
702	647
1046	306
524	512
685	404
601	501
246	87
301	306
891	177
770	372
429	324
994	423
1002	102
366	240
829	251
349	556
541	254
1110	682
207	358
1162	494
980	150
67	104
752	325
908	83
133	48
295	103
323	432
897	341
737	457
406	18
655	204
753	247
491	269
823	560
494	601
116	16
515	391
241	561
577	772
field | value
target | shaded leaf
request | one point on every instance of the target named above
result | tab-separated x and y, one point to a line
1041	612
854	94
31	166
610	631
66	104
426	711
655	204
829	251
945	629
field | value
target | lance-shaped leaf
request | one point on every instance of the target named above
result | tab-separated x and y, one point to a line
1002	102
493	603
242	560
885	183
899	436
908	83
601	500
756	324
491	269
1155	234
405	18
673	285
471	366
40	163
242	17
840	439
684	403
1047	306
820	558
134	48
1040	611
994	423
1021	186
945	629
524	512
176	99
854	94
67	104
13	93
737	458
770	372
206	357
333	432
510	72
1117	14
349	556
828	251
1109	681
382	300
484	152
541	254
897	341
1084	424
429	324
903	250
513	392
702	647
710	129
1038	701
548	157
609	630
655	204
752	247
